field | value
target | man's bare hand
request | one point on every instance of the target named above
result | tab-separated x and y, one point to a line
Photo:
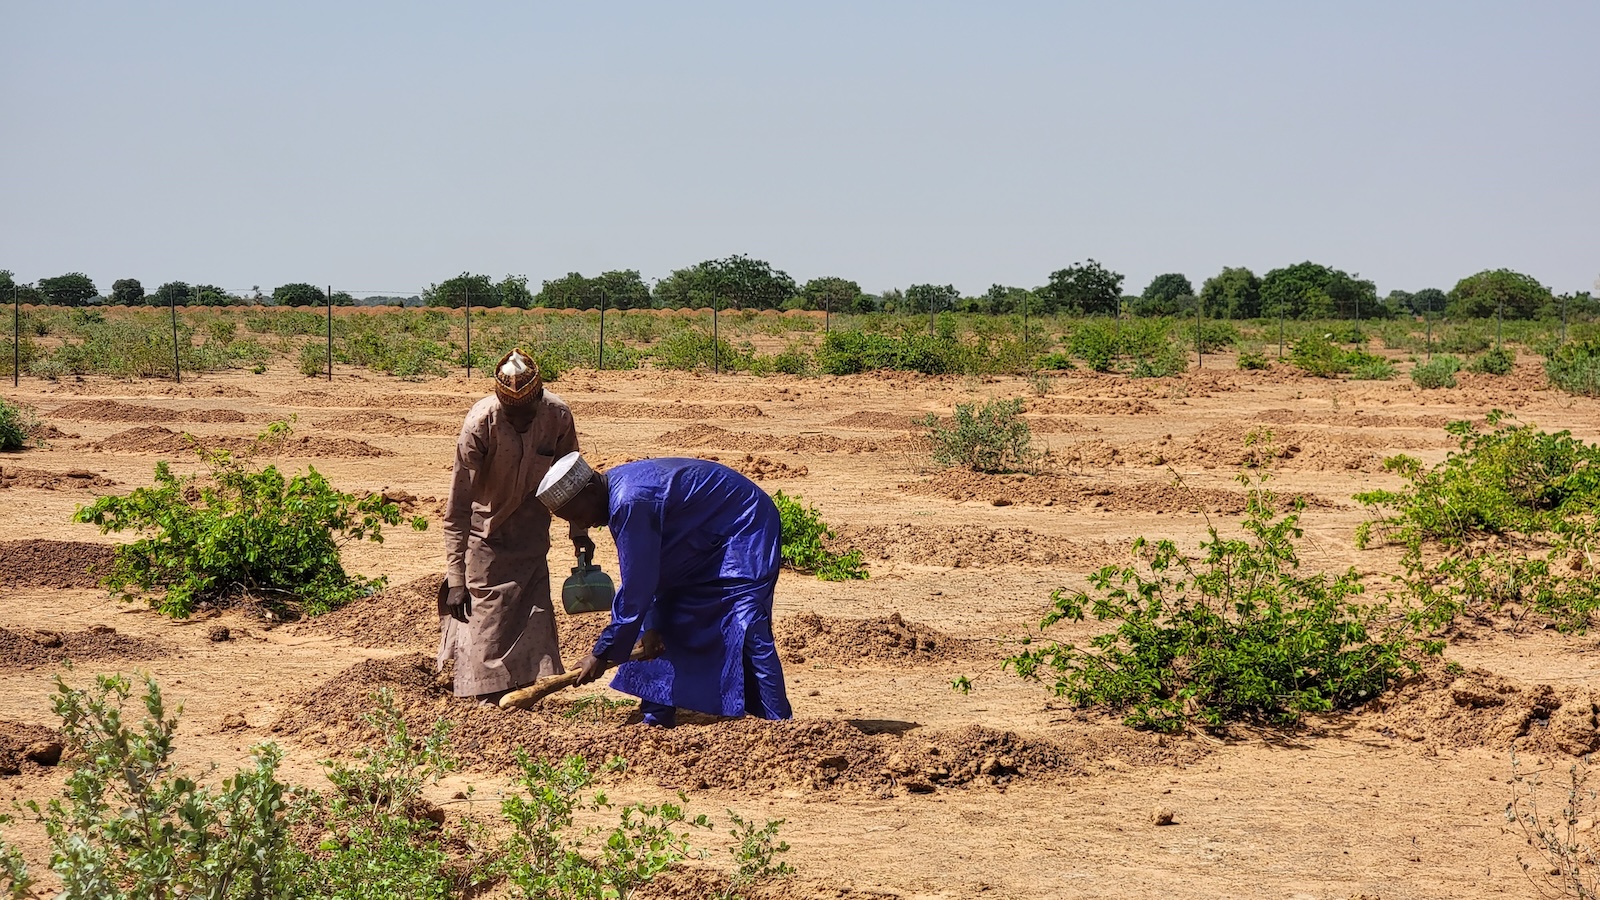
455	601
583	546
590	669
651	644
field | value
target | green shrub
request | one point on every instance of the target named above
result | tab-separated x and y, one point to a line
693	349
1096	342
989	438
1253	361
1375	369
794	360
1575	368
1440	372
1320	357
1058	362
1507	517
133	826
241	531
16	427
854	352
1498	361
1234	634
313	360
803	546
1463	340
1214	335
1171	360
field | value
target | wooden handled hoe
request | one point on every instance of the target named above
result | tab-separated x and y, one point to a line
523	698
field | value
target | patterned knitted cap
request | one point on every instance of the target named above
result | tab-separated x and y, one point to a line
516	379
564	480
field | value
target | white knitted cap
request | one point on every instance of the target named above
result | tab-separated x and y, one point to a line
564	480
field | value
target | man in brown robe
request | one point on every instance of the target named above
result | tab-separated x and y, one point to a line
495	615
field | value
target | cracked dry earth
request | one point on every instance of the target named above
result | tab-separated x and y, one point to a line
891	784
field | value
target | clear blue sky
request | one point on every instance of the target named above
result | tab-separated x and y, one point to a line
386	146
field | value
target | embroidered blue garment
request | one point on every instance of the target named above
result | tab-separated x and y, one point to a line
698	549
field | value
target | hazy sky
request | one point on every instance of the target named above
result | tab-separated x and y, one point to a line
386	146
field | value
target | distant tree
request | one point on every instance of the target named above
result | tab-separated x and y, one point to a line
737	281
1309	291
1426	301
1163	291
1003	299
513	290
892	300
298	293
11	289
173	293
837	294
127	292
570	291
340	298
211	295
454	292
621	289
1233	293
941	298
1479	296
71	289
1085	287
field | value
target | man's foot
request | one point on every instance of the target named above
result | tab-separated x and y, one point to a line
659	715
491	699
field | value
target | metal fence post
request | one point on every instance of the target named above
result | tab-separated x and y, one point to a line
16	335
1280	328
827	312
177	370
602	366
716	342
1199	325
467	302
330	332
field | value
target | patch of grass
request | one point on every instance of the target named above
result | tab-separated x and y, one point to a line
1254	361
1498	361
992	437
16	427
1374	369
1440	372
1575	368
1318	356
803	545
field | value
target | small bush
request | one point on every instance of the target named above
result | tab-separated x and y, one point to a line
1464	340
794	360
1575	369
854	352
803	546
1498	361
1058	362
1254	361
1375	369
1096	342
1234	634
1438	373
989	438
1320	357
241	531
1170	360
1214	336
313	360
692	349
16	427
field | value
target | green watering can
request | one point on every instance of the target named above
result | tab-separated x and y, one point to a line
587	589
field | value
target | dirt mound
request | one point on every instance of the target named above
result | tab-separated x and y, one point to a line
809	637
965	485
39	479
157	439
1229	447
616	409
55	564
1447	707
29	649
403	616
27	747
743	754
45	432
116	411
701	434
1055	425
971	546
401	399
1355	419
759	468
1092	406
386	423
147	388
878	420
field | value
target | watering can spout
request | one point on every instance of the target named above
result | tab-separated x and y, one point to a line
587	589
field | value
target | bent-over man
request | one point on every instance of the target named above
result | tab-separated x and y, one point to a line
698	553
495	616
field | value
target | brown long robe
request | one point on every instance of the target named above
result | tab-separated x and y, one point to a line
497	535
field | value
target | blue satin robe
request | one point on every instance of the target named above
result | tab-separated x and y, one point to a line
698	550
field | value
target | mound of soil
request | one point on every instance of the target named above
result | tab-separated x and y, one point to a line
701	434
157	439
1474	708
54	564
39	479
1055	425
971	546
1355	419
759	468
45	432
701	753
147	388
27	747
615	409
28	649
810	637
965	485
401	399
116	411
404	616
1228	447
1092	406
386	423
877	420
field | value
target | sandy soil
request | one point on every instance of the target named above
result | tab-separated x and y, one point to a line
892	784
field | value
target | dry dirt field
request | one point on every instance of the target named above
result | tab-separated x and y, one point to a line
891	784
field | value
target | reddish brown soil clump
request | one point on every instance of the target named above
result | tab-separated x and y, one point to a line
972	546
387	423
156	439
55	564
116	411
703	435
27	747
39	479
809	637
965	485
759	468
1093	406
876	420
30	649
1450	709
612	409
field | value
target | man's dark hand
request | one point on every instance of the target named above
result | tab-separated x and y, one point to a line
457	601
590	669
583	546
651	644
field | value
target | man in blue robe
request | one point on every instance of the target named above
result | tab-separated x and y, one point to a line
698	549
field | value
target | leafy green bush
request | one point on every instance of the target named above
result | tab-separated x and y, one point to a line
803	545
1498	361
1214	335
1235	634
1375	369
241	531
1097	343
132	826
989	438
1464	340
692	349
754	853
1254	361
1170	360
1060	362
794	360
1440	372
854	352
313	360
1506	518
16	427
1575	368
1318	356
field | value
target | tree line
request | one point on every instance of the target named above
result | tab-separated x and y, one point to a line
1304	290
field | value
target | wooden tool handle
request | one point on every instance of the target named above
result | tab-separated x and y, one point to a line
522	698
